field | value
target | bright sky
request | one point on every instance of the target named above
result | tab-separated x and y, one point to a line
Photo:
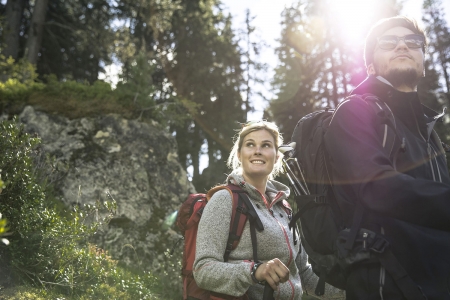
267	20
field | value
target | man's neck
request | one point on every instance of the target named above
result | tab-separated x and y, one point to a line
402	88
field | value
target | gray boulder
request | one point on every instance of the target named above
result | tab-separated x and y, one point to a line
133	163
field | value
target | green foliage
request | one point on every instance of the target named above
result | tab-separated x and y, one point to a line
3	228
22	201
78	37
136	95
21	70
77	99
50	252
138	86
17	81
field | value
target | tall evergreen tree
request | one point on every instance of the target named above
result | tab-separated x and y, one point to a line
205	69
253	69
11	32
434	88
36	30
78	39
295	75
439	41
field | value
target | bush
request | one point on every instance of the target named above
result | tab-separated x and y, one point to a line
49	252
22	70
136	96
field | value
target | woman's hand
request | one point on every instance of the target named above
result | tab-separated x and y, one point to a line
273	272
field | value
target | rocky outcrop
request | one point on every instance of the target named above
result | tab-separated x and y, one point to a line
110	158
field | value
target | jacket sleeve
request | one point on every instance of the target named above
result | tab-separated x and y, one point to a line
366	174
210	271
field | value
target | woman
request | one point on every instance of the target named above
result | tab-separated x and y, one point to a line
255	161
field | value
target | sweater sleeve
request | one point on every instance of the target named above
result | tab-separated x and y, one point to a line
210	271
366	173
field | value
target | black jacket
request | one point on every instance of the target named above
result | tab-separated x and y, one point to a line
410	203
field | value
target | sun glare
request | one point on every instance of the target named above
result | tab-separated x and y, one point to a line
352	17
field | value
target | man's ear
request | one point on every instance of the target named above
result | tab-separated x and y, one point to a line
371	69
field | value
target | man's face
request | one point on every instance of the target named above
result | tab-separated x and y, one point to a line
401	66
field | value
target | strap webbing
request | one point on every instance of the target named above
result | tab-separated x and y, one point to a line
320	287
404	282
232	237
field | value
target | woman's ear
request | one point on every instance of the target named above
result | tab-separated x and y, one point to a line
239	156
371	69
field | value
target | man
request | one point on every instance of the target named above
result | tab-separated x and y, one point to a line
400	190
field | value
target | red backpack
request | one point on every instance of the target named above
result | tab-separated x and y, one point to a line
188	218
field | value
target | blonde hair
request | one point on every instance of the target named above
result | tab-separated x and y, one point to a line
233	160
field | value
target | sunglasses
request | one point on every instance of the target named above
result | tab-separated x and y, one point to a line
412	41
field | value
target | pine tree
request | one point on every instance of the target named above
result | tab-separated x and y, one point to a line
439	42
434	88
11	31
205	68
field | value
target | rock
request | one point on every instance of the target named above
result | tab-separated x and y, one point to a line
110	158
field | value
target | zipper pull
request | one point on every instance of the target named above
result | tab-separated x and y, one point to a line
403	145
365	235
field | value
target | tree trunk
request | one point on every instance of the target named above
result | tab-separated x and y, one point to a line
35	32
14	11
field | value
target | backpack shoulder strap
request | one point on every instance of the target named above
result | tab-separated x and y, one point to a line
388	125
242	209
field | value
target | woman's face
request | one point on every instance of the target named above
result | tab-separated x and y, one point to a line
257	155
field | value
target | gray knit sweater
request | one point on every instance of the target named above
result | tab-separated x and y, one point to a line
275	241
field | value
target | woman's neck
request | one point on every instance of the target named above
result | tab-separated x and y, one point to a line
259	184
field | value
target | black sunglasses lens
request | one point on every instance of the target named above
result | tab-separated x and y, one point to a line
389	42
413	41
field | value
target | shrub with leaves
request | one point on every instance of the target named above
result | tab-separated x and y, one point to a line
20	70
18	81
50	252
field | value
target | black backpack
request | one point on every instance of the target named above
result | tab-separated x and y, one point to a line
331	247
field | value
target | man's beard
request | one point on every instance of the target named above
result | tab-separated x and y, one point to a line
405	77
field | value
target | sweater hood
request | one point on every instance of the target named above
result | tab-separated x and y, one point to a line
274	190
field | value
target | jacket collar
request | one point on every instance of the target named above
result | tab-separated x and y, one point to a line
384	90
402	104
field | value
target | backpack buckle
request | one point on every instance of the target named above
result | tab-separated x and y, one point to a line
320	199
379	245
242	209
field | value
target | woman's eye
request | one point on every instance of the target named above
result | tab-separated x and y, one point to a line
249	144
267	145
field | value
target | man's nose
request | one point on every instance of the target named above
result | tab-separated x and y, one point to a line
401	45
